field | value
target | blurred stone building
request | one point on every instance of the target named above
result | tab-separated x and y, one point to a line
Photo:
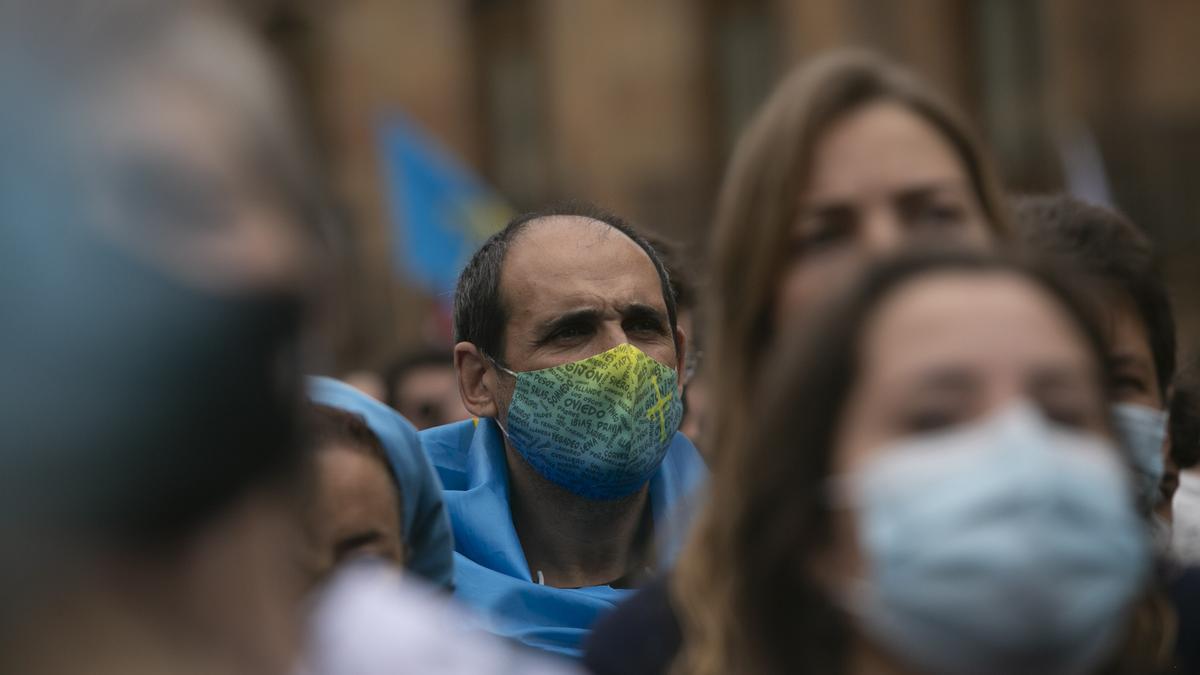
635	104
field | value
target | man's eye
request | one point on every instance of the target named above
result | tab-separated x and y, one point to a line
647	326
568	333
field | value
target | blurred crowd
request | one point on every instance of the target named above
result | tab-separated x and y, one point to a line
903	421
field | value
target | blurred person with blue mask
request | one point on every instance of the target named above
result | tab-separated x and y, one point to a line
1115	264
953	501
154	256
569	357
1117	260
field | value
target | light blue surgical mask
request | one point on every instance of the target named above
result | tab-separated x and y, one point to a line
1143	430
1011	546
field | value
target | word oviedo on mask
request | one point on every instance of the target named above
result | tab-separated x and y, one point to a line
1010	546
598	427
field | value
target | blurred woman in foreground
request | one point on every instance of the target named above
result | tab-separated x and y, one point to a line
933	486
851	158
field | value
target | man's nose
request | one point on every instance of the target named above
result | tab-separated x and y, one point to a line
612	335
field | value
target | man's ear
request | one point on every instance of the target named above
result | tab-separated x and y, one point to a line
477	382
681	345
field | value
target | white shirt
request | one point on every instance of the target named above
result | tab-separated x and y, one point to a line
371	620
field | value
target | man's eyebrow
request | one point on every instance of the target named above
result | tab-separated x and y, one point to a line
639	310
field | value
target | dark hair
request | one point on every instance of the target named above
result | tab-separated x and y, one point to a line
1184	420
1105	246
330	426
480	312
742	585
399	369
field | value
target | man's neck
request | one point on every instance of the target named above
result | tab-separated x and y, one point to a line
573	541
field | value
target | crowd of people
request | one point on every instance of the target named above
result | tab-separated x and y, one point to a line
935	427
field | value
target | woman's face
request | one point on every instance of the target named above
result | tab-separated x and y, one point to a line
951	349
882	177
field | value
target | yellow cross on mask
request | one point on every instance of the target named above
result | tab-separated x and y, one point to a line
659	408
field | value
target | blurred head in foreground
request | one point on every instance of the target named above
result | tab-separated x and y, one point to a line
935	486
850	158
154	229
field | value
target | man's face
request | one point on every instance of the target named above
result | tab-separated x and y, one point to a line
575	287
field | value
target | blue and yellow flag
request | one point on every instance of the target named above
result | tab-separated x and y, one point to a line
441	211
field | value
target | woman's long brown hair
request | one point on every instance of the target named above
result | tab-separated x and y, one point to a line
760	199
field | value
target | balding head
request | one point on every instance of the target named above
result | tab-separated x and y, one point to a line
484	302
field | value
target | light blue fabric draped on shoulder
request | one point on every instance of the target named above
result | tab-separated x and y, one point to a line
426	526
491	574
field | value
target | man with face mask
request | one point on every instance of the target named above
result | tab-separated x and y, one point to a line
569	357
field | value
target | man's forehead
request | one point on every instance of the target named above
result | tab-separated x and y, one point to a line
581	230
572	260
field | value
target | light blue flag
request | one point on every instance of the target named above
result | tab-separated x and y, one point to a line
441	211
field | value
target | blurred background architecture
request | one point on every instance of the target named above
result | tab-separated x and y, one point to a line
635	105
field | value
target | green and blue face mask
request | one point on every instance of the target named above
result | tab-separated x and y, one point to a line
598	427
